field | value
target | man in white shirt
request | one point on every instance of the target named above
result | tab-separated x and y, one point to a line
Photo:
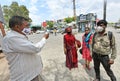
24	62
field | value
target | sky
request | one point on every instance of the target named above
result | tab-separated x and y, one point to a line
42	10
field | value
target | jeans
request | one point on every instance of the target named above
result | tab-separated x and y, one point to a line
104	60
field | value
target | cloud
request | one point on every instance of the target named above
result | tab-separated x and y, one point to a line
58	9
36	19
33	9
33	2
113	11
64	8
23	0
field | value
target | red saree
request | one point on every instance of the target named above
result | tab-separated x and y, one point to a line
71	51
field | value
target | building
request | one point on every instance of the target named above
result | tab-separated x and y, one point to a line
86	20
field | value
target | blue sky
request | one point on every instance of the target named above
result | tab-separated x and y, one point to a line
41	10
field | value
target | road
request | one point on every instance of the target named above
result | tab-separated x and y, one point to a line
53	59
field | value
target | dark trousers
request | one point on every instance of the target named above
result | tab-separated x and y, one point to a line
104	60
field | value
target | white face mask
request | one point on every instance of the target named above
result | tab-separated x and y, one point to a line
26	30
99	29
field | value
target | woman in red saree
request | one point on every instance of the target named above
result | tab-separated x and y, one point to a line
70	49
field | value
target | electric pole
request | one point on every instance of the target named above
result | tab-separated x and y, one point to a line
74	10
104	9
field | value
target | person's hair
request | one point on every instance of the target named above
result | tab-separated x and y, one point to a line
87	28
16	20
66	29
102	22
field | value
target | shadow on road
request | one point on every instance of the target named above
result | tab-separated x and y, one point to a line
91	72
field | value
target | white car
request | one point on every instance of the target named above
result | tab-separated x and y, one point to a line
40	31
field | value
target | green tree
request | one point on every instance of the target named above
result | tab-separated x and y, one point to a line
50	24
15	9
69	19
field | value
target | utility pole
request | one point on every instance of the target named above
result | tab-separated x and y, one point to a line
104	9
74	10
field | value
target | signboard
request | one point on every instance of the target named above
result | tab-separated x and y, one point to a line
82	17
44	24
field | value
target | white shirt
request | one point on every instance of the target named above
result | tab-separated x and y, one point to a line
24	62
1	37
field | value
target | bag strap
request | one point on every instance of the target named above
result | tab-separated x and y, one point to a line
93	41
110	37
88	37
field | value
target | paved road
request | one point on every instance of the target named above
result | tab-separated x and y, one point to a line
54	61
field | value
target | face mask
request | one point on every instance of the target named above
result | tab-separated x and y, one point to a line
26	30
99	29
69	32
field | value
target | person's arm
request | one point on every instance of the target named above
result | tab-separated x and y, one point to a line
41	43
65	50
2	29
114	51
20	45
64	41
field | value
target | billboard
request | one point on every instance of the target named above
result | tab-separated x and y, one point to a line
44	24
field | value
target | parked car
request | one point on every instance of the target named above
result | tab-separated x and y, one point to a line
117	25
40	31
51	31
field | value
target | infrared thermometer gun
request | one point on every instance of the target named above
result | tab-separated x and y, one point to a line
47	32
